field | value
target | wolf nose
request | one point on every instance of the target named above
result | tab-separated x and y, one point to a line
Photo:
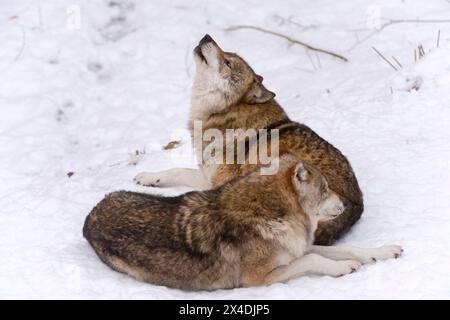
207	38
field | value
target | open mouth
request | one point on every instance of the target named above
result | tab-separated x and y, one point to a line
198	52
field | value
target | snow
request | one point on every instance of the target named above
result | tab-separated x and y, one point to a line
96	99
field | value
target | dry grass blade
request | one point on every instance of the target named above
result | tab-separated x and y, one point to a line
384	58
397	62
438	38
22	47
421	52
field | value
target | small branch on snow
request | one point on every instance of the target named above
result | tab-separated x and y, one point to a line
290	20
115	164
394	21
391	22
291	40
396	61
438	38
22	47
384	58
310	60
421	51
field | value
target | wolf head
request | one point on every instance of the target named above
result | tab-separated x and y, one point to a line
223	79
315	197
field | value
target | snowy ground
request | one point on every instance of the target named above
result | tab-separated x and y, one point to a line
85	100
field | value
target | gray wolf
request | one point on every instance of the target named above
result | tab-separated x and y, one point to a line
253	230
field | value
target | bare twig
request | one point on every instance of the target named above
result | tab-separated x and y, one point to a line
291	40
421	51
396	61
318	61
22	47
115	164
384	58
310	60
298	24
391	22
438	38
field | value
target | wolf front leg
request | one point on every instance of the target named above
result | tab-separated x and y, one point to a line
363	255
193	178
312	264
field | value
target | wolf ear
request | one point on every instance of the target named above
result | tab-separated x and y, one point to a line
260	94
301	173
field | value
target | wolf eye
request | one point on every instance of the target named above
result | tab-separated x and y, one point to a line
228	63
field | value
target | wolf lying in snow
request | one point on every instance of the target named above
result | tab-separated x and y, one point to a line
253	230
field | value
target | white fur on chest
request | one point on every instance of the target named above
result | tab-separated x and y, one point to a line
291	236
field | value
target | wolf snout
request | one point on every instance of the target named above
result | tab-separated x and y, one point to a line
206	39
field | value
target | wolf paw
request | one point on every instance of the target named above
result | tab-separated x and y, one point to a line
148	179
344	267
382	253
